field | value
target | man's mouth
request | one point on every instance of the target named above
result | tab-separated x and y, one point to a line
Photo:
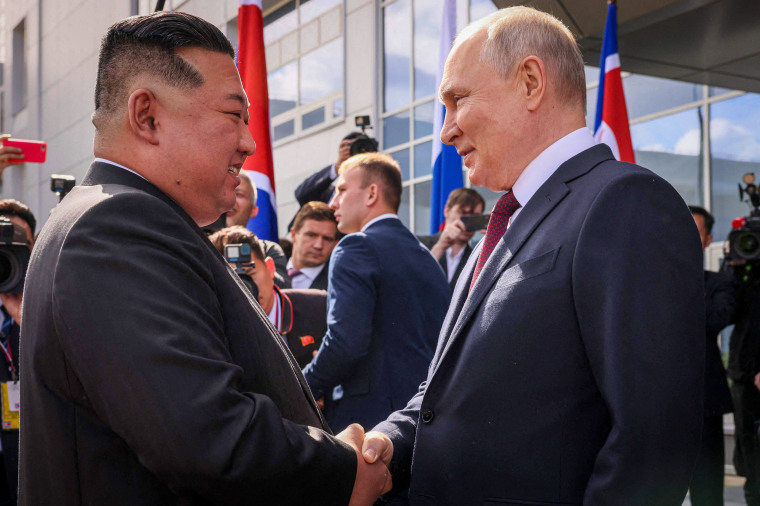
233	170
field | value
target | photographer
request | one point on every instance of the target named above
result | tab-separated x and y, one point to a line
298	315
21	216
8	153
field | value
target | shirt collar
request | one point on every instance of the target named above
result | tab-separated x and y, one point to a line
378	218
309	272
104	160
545	164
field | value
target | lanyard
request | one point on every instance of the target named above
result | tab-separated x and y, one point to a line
5	346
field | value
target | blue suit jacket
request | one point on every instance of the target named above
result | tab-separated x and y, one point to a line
572	373
387	298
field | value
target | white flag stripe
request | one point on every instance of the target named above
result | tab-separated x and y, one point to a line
612	62
250	2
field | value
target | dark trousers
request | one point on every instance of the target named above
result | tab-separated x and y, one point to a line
746	399
706	487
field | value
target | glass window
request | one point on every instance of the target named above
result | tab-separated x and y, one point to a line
481	8
715	91
396	129
283	91
313	118
735	150
284	130
671	146
310	9
592	74
423	119
403	209
338	108
427	41
396	54
402	157
422	208
322	71
646	95
423	154
278	23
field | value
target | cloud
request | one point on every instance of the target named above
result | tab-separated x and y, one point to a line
689	143
733	142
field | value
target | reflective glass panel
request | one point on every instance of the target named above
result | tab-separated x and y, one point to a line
672	147
646	95
396	129
283	88
322	71
715	91
397	49
280	22
313	118
735	150
402	157
310	9
422	208
481	8
284	130
427	41
423	154
403	209
423	119
338	108
592	74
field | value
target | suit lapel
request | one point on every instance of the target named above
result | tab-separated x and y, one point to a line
540	205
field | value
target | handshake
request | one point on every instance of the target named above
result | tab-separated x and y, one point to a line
374	452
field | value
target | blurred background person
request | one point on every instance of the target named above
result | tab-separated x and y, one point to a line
451	246
245	208
706	487
300	316
313	235
319	186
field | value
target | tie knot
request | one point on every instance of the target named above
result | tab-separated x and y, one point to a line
506	205
292	272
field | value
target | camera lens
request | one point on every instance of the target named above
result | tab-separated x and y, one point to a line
9	271
747	245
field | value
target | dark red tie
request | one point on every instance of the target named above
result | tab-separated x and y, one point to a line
505	207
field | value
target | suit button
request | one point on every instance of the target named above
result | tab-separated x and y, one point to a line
427	415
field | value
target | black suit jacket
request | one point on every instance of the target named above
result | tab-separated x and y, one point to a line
719	300
320	282
430	240
304	321
572	373
150	374
318	186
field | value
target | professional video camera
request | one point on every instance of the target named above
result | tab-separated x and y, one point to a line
744	240
14	256
363	143
239	255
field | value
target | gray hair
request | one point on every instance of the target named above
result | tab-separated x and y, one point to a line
514	33
254	191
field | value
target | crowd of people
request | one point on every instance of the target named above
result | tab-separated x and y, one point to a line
570	357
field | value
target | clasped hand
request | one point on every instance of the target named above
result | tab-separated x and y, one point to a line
374	452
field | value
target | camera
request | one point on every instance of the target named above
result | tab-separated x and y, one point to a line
363	143
744	240
14	256
239	255
61	184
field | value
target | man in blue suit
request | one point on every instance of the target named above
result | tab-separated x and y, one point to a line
569	368
386	299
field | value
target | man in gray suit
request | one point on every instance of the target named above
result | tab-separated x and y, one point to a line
569	366
150	375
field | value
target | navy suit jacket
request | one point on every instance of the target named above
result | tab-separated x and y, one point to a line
430	240
386	301
572	373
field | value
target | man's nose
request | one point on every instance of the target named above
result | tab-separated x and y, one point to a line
334	202
450	130
247	144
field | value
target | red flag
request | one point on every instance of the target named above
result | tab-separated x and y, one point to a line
253	73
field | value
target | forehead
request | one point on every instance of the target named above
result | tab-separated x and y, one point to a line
221	78
244	187
462	62
350	175
326	227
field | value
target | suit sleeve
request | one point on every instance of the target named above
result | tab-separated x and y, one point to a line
274	251
351	300
638	288
720	303
138	318
315	187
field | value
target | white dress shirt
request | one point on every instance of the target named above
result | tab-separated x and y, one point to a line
307	276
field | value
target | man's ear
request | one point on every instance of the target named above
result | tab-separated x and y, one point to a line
531	74
270	265
293	234
373	194
708	240
254	211
141	111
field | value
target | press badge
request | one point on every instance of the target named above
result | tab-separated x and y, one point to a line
11	398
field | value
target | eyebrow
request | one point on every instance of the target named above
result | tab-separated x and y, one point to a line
239	98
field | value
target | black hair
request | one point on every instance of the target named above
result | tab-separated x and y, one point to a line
147	44
12	207
706	216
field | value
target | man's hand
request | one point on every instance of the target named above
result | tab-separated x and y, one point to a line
377	446
8	153
372	480
452	232
757	381
344	152
12	303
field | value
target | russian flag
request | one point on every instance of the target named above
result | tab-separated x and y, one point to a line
447	164
253	73
611	123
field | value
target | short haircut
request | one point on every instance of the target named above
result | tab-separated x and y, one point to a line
12	207
315	210
237	235
352	136
254	191
380	169
465	197
147	45
706	216
514	33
